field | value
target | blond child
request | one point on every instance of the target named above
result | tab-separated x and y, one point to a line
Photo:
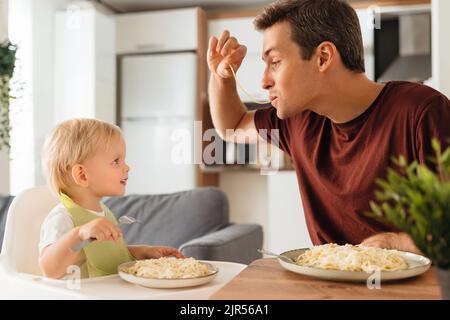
84	161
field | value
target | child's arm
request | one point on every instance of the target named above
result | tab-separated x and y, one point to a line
55	258
152	252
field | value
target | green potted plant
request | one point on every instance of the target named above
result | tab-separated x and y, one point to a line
7	61
416	199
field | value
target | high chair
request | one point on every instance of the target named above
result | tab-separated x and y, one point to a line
20	244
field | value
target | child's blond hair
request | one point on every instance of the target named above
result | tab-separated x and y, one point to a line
71	143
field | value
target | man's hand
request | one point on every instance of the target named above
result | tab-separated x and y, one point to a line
224	52
391	240
153	252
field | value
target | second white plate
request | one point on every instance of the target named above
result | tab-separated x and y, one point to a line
417	265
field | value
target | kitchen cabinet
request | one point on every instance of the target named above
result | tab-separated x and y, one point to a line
166	30
161	57
156	122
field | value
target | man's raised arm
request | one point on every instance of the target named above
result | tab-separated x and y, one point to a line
227	110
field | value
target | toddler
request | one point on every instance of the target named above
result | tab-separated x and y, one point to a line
84	161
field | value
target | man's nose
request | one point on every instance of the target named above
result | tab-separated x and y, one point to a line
266	81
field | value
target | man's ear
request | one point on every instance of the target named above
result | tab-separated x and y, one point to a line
326	54
79	175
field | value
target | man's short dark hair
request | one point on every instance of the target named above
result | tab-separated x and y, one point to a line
315	21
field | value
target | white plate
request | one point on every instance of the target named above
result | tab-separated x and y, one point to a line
417	265
166	283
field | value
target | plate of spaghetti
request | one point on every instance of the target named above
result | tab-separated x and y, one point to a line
354	262
168	272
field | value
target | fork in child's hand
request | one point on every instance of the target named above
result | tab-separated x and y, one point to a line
122	220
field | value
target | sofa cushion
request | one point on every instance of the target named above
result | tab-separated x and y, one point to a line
5	202
235	243
172	219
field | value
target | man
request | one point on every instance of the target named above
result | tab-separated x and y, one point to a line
340	128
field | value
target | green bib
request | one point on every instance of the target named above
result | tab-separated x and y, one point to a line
102	257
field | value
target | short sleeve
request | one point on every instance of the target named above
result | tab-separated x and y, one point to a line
56	224
273	129
434	122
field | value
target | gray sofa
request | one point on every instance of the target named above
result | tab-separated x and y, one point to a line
5	202
195	221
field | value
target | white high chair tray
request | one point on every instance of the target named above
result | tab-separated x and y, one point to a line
25	286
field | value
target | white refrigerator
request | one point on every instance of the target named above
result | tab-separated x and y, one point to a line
157	112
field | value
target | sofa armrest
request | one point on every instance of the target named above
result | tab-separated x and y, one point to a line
234	243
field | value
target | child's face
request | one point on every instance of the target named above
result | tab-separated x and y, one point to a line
106	171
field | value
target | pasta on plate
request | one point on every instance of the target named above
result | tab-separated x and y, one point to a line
169	268
352	258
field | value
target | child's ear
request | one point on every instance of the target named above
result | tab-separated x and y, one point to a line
79	175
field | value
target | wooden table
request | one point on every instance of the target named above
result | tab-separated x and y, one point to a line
265	279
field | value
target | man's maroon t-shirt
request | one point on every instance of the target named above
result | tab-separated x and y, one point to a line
337	164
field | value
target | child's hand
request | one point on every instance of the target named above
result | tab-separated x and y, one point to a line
158	252
100	229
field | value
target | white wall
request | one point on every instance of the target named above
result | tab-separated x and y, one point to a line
440	11
286	218
32	27
74	65
247	195
21	118
4	158
105	67
4	172
3	20
85	64
366	18
43	75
